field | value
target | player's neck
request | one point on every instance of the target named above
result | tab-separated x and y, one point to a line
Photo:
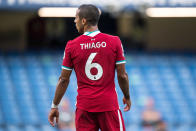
90	28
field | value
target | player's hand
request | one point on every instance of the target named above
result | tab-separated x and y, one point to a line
54	113
127	102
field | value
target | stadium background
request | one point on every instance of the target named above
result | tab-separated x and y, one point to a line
160	53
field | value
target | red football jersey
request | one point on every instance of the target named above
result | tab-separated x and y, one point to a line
93	56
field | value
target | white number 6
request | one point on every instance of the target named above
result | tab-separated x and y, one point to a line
89	65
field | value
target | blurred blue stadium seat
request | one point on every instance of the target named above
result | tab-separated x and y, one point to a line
32	128
48	128
14	128
2	129
1	117
134	127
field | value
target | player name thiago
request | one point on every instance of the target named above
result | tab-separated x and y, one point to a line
93	45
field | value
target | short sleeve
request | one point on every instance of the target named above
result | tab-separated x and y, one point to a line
67	62
120	52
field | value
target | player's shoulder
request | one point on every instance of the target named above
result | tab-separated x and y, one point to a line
110	36
115	40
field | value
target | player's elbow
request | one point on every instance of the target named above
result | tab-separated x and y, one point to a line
122	76
64	80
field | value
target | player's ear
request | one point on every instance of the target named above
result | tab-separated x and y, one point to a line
83	21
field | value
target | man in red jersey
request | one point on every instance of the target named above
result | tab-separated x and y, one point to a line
94	56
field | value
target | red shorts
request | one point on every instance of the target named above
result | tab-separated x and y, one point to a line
93	121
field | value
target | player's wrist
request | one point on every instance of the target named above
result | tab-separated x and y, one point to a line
127	97
53	105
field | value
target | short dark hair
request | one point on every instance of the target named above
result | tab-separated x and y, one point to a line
90	13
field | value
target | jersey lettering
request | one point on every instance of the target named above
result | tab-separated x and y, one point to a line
93	45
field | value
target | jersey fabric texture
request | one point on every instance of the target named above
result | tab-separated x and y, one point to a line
94	56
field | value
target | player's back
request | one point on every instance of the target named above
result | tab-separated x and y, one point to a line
94	56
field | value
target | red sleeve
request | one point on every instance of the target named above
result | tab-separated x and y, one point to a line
120	52
67	62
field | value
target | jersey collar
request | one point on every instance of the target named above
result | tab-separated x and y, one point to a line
92	34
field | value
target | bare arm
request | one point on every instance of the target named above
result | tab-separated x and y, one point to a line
62	86
124	85
60	91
